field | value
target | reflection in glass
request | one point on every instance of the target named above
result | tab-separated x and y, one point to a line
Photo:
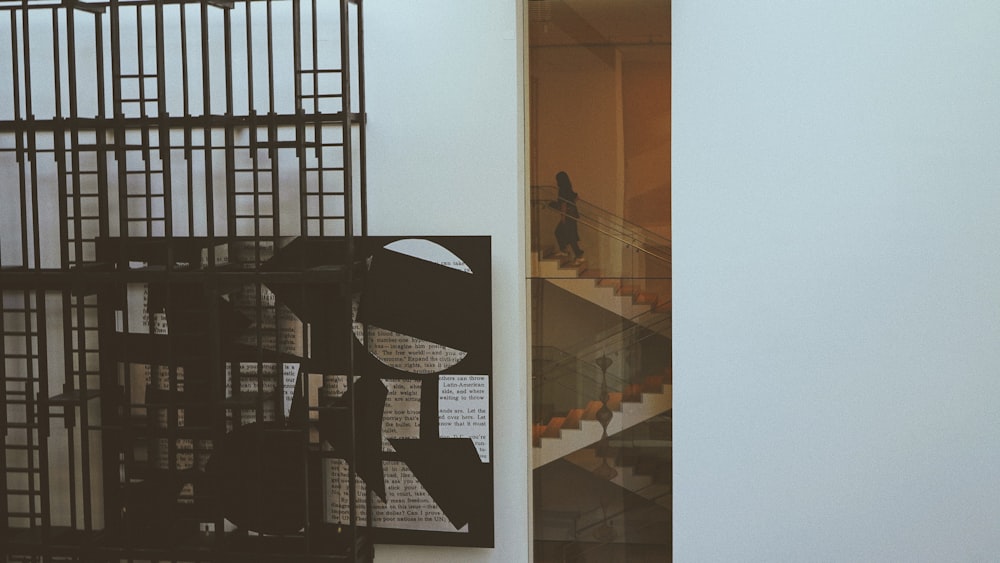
601	279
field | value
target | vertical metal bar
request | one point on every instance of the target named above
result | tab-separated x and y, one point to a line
30	416
206	96
272	129
56	69
19	136
345	91
120	522
186	103
363	178
59	151
315	57
66	241
67	319
88	520
165	177
4	503
363	123
230	128
300	136
74	246
217	391
249	32
67	301
100	132
255	164
74	154
345	81
144	127
100	135
32	430
164	128
32	141
41	412
118	130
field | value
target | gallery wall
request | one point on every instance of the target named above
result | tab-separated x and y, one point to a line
445	141
837	304
603	115
578	112
646	116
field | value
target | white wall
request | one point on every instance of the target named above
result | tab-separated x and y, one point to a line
445	142
837	298
579	121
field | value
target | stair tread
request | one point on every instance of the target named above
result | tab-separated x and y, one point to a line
554	427
573	419
646	298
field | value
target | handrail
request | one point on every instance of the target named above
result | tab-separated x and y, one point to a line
587	370
607	223
646	233
615	342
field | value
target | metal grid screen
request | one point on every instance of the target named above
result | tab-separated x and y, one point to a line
156	160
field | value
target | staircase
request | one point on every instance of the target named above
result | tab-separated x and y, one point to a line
613	294
639	465
579	428
584	498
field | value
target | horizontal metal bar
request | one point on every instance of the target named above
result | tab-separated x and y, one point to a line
319	70
92	6
173	122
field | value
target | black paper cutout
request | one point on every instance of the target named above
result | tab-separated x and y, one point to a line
322	305
260	471
153	501
419	298
450	470
335	428
187	340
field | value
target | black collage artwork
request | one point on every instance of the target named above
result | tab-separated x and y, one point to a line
380	370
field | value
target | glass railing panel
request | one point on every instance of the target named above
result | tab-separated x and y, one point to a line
608	223
627	261
598	91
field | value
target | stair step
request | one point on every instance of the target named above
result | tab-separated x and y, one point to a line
615	401
590	413
653	383
632	393
646	298
536	435
573	419
628	290
553	429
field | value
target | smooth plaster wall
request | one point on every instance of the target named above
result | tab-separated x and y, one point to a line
837	298
579	122
445	156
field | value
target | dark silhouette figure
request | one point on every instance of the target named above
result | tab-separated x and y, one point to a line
567	236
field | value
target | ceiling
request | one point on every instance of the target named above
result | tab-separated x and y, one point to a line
592	23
